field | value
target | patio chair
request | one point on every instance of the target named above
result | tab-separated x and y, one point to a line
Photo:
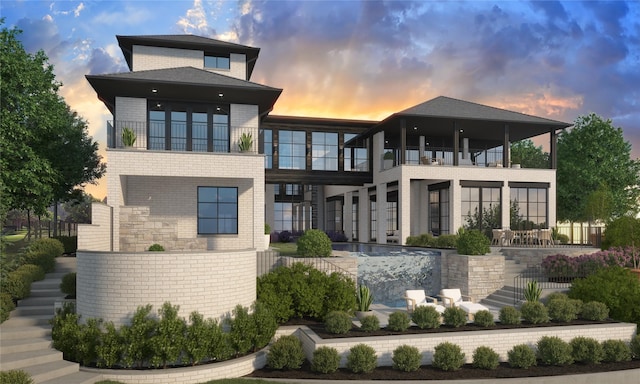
497	237
544	237
454	298
417	298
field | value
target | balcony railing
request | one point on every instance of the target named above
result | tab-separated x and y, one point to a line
182	137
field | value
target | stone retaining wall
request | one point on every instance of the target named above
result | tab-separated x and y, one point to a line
476	276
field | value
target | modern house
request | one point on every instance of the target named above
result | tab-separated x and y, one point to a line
209	167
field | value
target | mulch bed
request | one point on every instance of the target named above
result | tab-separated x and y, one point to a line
428	372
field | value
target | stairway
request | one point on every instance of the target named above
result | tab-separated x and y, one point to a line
25	338
504	296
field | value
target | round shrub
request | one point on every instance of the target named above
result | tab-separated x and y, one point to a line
325	360
398	321
6	306
448	357
621	232
635	347
46	261
156	248
594	310
284	237
446	241
314	243
564	310
35	271
15	376
285	353
426	317
370	323
472	242
521	356
485	358
556	296
484	318
17	284
49	246
586	350
615	351
509	316
406	358
552	350
68	284
362	359
454	317
534	312
338	322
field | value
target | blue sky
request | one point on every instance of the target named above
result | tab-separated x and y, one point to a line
368	59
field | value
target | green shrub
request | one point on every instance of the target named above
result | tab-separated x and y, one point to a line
49	246
90	338
69	243
621	232
242	330
66	334
454	317
362	359
34	271
168	340
426	317
509	316
267	229
472	242
68	284
635	347
364	298
15	376
521	356
586	350
484	318
370	323
448	357
406	358
266	325
285	353
534	312
564	310
46	261
423	240
532	292
398	321
446	241
616	287
314	296
197	338
109	351
6	306
156	248
138	348
17	284
338	322
552	350
594	310
615	351
485	358
325	360
314	243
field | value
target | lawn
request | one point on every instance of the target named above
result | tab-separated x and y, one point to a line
285	249
223	381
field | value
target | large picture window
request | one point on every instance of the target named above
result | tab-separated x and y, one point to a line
324	151
529	208
481	208
217	210
439	211
355	159
293	149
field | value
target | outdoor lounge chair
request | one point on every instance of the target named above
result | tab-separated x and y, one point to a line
417	298
454	298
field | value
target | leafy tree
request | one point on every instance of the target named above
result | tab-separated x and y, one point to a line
79	210
592	154
526	154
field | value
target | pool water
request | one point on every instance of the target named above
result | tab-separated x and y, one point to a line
390	270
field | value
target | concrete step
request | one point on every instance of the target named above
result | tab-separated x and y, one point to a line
39	301
24	332
21	321
47	284
25	345
53	370
76	378
48	292
25	359
33	310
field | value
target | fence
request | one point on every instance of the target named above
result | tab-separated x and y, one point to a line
581	233
267	261
544	281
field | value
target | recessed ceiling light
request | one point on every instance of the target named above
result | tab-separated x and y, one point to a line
153	90
220	94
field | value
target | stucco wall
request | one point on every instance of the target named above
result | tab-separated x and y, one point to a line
112	285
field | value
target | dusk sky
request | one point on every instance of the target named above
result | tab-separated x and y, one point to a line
369	59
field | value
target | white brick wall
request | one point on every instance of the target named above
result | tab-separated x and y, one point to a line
97	235
112	285
148	58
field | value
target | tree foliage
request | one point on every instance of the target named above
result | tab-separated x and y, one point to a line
46	150
526	154
591	155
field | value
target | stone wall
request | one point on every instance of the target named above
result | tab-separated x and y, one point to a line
476	276
532	257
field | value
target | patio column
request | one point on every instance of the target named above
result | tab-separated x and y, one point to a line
506	148
347	216
456	143
403	141
381	212
554	149
455	206
363	215
506	206
404	209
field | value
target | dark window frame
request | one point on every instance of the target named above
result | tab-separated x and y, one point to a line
216	217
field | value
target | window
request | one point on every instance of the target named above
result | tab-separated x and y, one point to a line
334	215
220	133
199	141
481	208
217	62
293	149
217	210
439	211
157	130
283	217
267	139
528	208
354	218
324	151
373	219
178	131
355	159
392	216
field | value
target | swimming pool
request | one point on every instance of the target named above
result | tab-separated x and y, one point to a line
389	270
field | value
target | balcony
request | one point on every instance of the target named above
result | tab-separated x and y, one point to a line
220	138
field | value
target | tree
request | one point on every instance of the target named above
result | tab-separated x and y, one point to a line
592	155
526	154
79	210
47	153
